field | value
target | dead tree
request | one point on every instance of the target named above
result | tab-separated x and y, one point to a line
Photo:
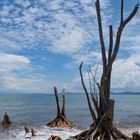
61	119
102	115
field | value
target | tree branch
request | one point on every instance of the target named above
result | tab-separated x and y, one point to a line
93	92
57	100
63	102
86	92
97	4
132	14
122	3
110	43
120	29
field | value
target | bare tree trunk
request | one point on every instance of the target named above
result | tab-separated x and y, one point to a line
103	114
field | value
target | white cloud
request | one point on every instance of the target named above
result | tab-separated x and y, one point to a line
64	27
61	30
24	3
10	62
89	58
5	11
17	74
10	58
36	84
71	42
126	75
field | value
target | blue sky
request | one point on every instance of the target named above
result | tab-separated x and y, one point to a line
42	43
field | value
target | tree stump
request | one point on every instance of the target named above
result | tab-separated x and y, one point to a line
61	119
6	120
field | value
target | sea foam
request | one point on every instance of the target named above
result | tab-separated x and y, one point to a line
41	134
44	133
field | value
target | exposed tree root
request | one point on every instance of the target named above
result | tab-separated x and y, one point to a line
61	119
103	130
99	134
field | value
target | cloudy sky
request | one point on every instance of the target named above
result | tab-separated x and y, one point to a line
42	43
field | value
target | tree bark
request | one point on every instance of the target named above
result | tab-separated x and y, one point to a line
63	103
102	126
61	120
57	101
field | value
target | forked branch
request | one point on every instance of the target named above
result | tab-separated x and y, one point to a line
120	29
86	92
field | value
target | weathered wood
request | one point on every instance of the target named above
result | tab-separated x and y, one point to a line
97	4
110	43
103	115
57	100
63	103
87	95
6	120
61	120
120	29
122	7
33	132
93	95
54	138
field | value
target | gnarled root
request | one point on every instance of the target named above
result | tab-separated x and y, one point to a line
60	121
100	133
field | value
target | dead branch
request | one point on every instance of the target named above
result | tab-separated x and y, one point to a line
110	43
120	29
63	102
57	100
97	3
86	92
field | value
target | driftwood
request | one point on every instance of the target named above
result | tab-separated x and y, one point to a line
33	132
103	111
61	119
28	130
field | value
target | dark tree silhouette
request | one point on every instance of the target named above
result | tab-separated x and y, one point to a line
103	113
61	119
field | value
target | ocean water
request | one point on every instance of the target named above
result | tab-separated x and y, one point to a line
35	110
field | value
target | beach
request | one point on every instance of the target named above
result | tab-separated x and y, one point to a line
36	110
